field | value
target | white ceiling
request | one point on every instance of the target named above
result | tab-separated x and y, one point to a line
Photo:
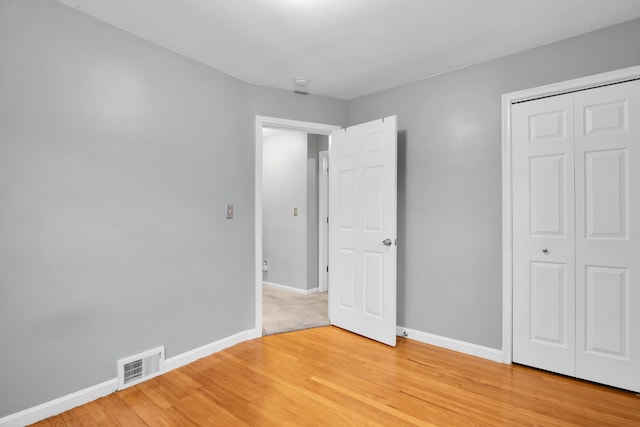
350	48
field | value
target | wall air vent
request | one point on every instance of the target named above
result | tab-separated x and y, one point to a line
140	367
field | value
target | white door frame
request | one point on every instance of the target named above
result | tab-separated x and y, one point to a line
261	122
323	225
589	82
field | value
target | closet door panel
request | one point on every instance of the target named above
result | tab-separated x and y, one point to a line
607	135
543	221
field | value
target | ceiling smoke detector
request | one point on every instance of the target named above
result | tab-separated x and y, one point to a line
301	81
300	85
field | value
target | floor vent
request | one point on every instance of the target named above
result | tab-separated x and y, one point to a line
140	367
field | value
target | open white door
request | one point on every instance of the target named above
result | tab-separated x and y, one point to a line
362	229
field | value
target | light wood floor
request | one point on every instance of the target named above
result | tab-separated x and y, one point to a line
329	377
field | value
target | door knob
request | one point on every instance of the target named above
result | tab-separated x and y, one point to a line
545	250
386	242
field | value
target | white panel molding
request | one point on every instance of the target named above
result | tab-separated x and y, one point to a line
508	99
488	353
292	289
89	394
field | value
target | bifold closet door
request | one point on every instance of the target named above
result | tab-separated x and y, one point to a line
576	226
607	139
543	234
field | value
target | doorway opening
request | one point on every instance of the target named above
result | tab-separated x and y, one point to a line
290	202
292	297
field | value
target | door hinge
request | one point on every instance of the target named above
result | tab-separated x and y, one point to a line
327	220
327	268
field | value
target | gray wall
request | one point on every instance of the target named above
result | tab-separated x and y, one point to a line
449	224
284	187
116	160
290	179
323	142
315	144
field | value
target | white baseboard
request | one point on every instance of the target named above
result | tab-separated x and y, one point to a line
59	405
70	401
291	288
208	349
451	344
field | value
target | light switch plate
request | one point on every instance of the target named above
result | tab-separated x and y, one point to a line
295	211
229	209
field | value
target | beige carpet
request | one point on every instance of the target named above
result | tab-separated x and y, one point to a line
284	311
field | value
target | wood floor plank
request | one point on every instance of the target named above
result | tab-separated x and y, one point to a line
118	412
300	383
81	417
55	421
328	376
149	411
203	411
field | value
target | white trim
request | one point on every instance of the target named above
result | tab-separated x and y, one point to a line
507	214
262	121
59	405
209	349
323	225
581	83
489	353
292	289
309	127
507	238
89	394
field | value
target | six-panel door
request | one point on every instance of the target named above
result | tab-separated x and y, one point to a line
576	212
362	268
543	229
607	224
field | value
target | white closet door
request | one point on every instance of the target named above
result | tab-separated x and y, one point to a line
607	139
543	231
